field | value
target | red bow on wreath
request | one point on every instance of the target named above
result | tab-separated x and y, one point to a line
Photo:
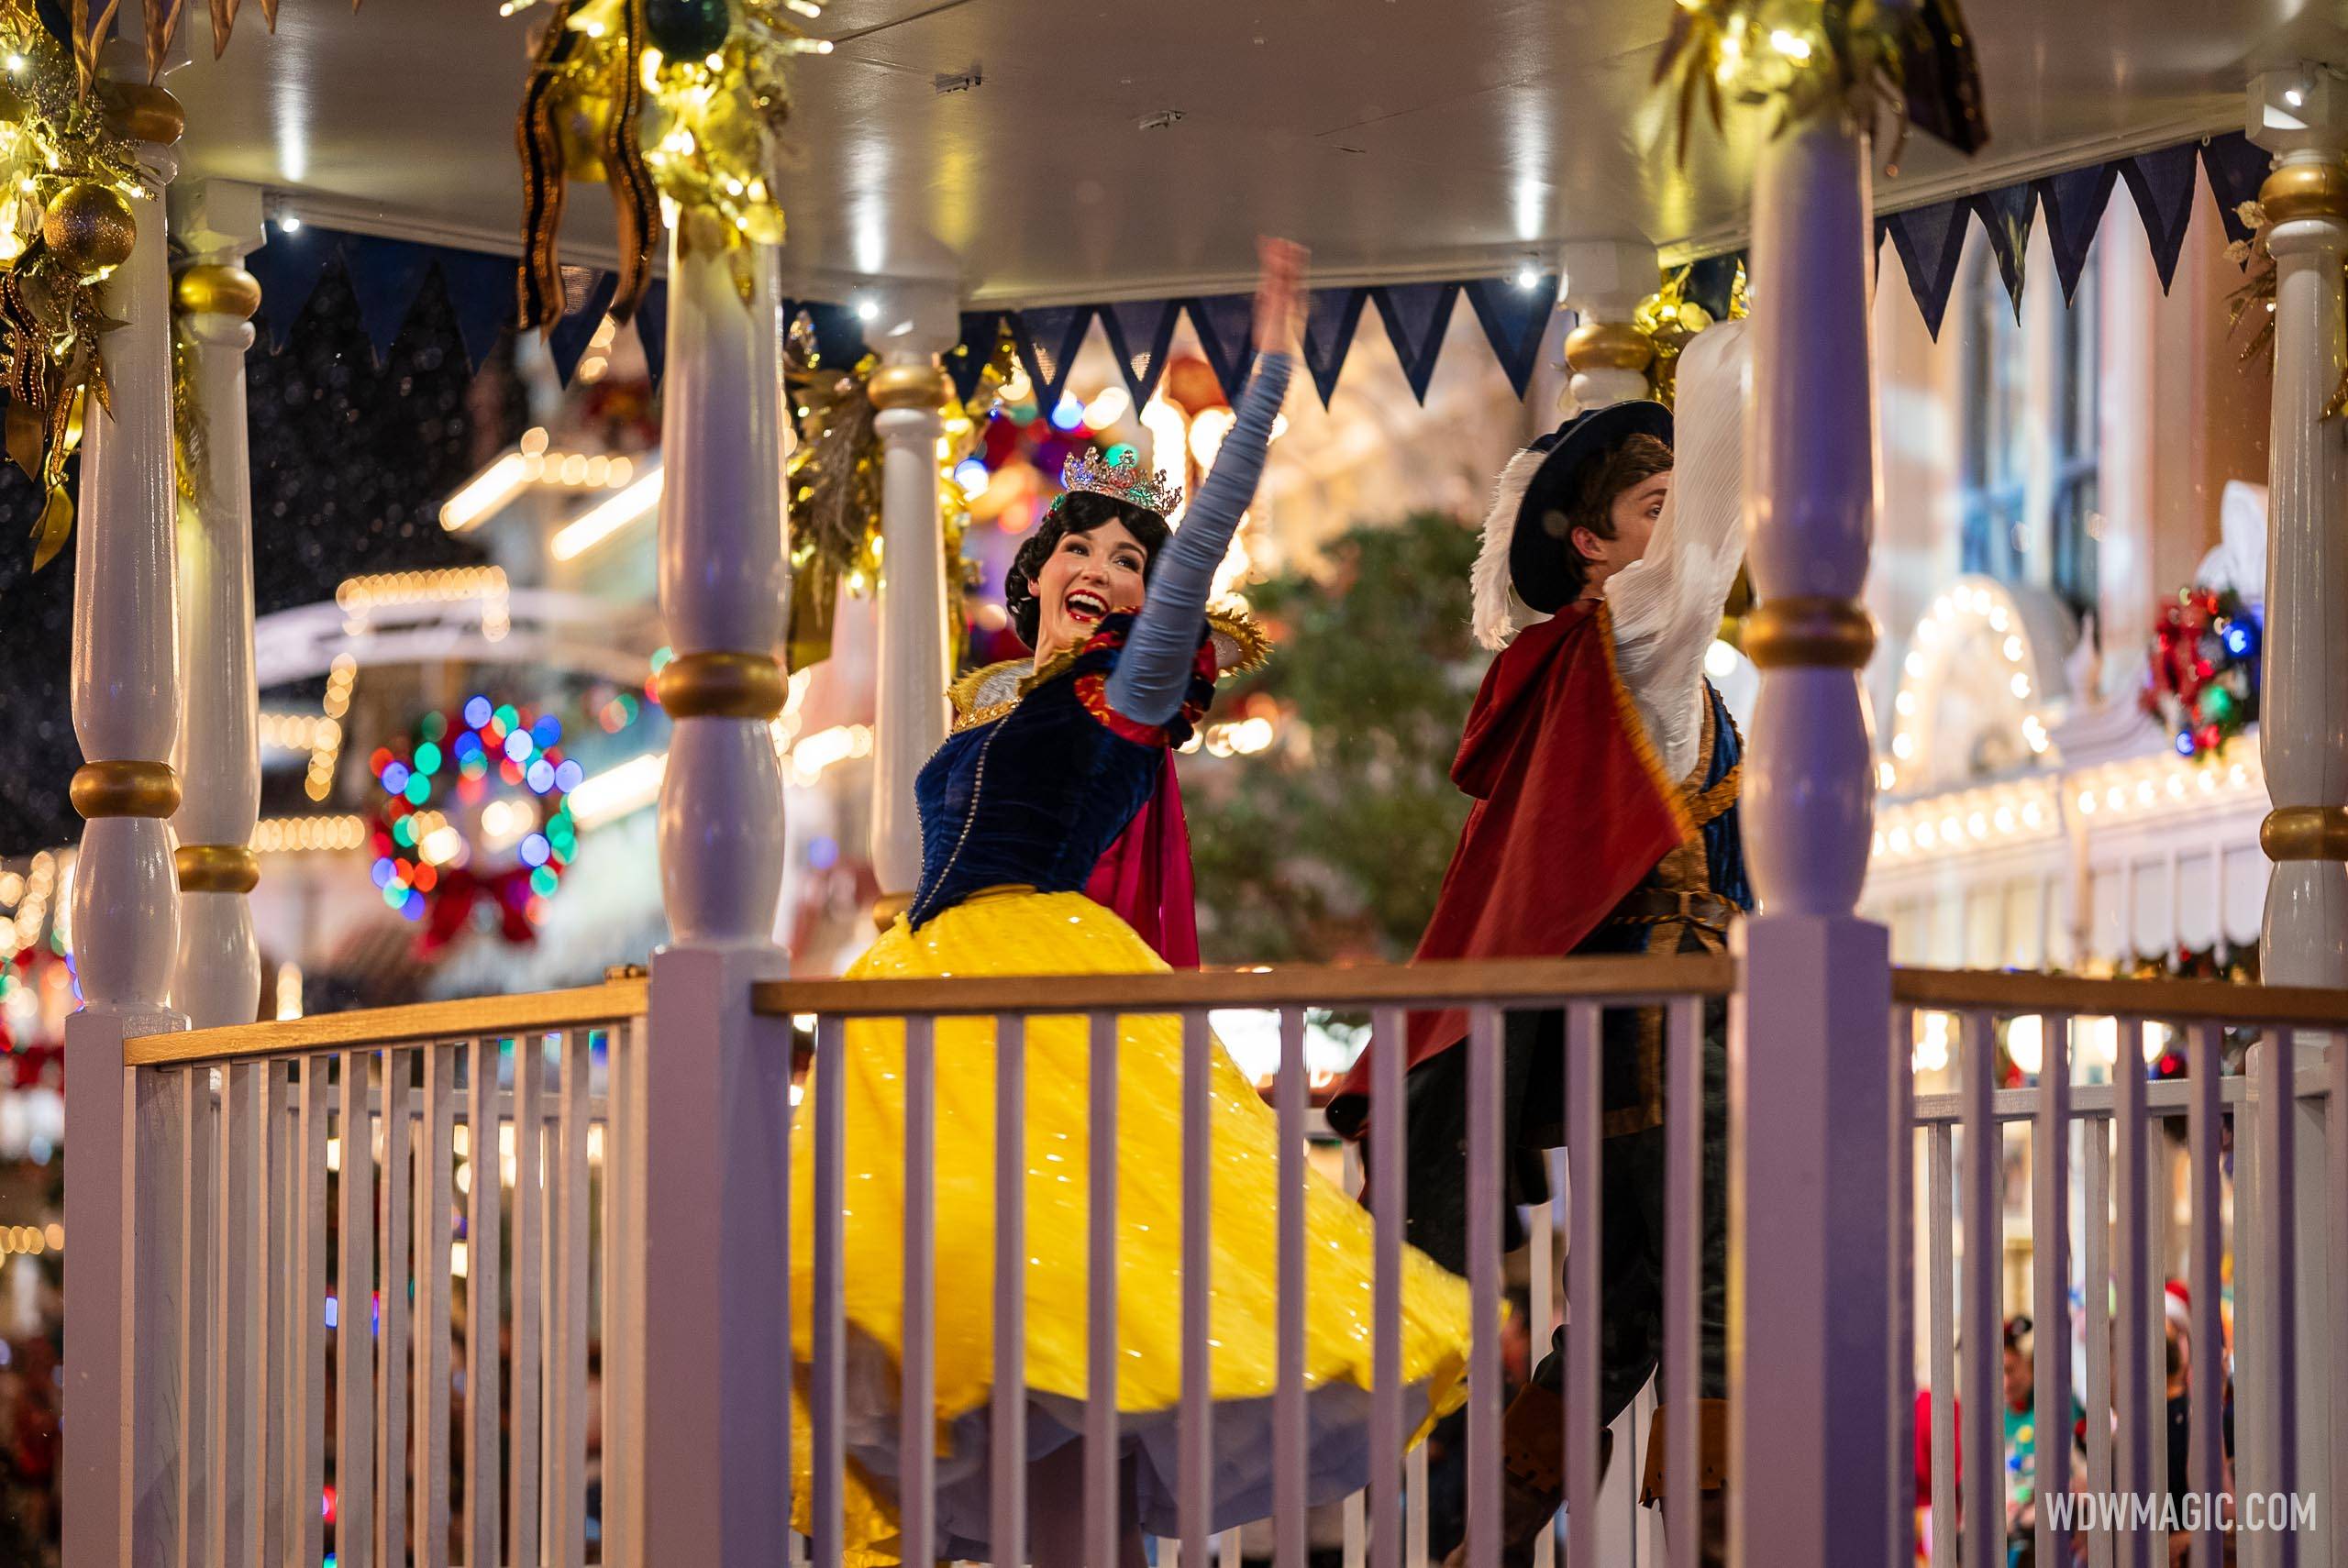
451	907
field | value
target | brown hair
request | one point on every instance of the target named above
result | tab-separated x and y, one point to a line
1638	460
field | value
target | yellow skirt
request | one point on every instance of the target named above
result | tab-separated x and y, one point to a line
1057	934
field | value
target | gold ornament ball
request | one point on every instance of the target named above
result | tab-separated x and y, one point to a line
90	228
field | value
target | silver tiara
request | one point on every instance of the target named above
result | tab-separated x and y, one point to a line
1121	478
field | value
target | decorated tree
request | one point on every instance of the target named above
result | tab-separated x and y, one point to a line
1330	842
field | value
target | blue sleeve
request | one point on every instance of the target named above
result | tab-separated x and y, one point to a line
1152	672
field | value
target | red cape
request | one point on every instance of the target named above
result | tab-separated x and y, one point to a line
1572	811
1146	874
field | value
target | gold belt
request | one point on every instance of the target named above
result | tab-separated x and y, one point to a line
1658	906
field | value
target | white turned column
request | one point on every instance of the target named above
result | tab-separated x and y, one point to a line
714	1161
1607	358
218	977
2301	116
724	584
916	325
1811	1079
126	627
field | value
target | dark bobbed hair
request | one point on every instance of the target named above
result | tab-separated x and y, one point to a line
1078	511
1591	505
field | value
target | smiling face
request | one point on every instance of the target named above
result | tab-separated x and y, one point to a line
1087	578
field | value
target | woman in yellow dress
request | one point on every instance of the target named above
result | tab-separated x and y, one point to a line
1017	808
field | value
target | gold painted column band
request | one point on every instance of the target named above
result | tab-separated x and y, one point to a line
125	790
2305	833
2305	191
208	290
217	868
722	686
1809	630
1607	346
144	112
909	386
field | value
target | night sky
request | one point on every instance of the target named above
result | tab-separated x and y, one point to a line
350	461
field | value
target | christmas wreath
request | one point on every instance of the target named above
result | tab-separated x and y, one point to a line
2203	681
475	826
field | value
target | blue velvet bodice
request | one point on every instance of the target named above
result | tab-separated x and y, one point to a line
1036	793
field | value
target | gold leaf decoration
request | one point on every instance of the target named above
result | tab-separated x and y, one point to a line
834	477
2252	300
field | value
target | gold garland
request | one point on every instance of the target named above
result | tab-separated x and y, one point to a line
71	177
1669	318
702	130
834	476
2253	299
1858	59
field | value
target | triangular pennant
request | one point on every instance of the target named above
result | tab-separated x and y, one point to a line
2074	203
2161	182
385	276
1141	332
1513	319
1227	328
288	267
2006	215
967	360
2236	166
1931	241
1049	339
651	325
1711	282
480	296
1331	316
569	341
1416	316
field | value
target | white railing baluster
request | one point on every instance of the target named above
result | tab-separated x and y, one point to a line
525	1415
1289	1497
281	1189
1983	1444
1585	1079
158	1296
1414	1510
240	1291
1487	1163
827	1413
199	1490
2205	1456
1903	1258
2050	1269
1682	1272
1942	1198
2135	1278
2097	1325
567	1379
1542	1263
624	1428
354	1347
1102	1530
917	1372
396	1195
1355	1511
307	1524
1388	1195
1009	1502
435	1233
1194	1433
2275	1127
2335	1507
484	1287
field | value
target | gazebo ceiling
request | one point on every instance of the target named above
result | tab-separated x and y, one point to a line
1399	137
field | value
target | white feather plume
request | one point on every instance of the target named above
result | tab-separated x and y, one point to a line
1499	614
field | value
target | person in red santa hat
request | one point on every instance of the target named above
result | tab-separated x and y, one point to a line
1605	769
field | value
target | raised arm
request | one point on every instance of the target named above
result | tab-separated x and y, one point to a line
1665	606
1153	673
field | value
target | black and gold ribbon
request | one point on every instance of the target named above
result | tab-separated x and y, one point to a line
538	139
636	201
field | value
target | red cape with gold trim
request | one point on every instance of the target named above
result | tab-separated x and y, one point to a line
1572	811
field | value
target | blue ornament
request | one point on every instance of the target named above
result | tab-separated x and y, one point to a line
688	30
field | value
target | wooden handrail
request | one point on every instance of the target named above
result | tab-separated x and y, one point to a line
1953	990
1517	981
470	1018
